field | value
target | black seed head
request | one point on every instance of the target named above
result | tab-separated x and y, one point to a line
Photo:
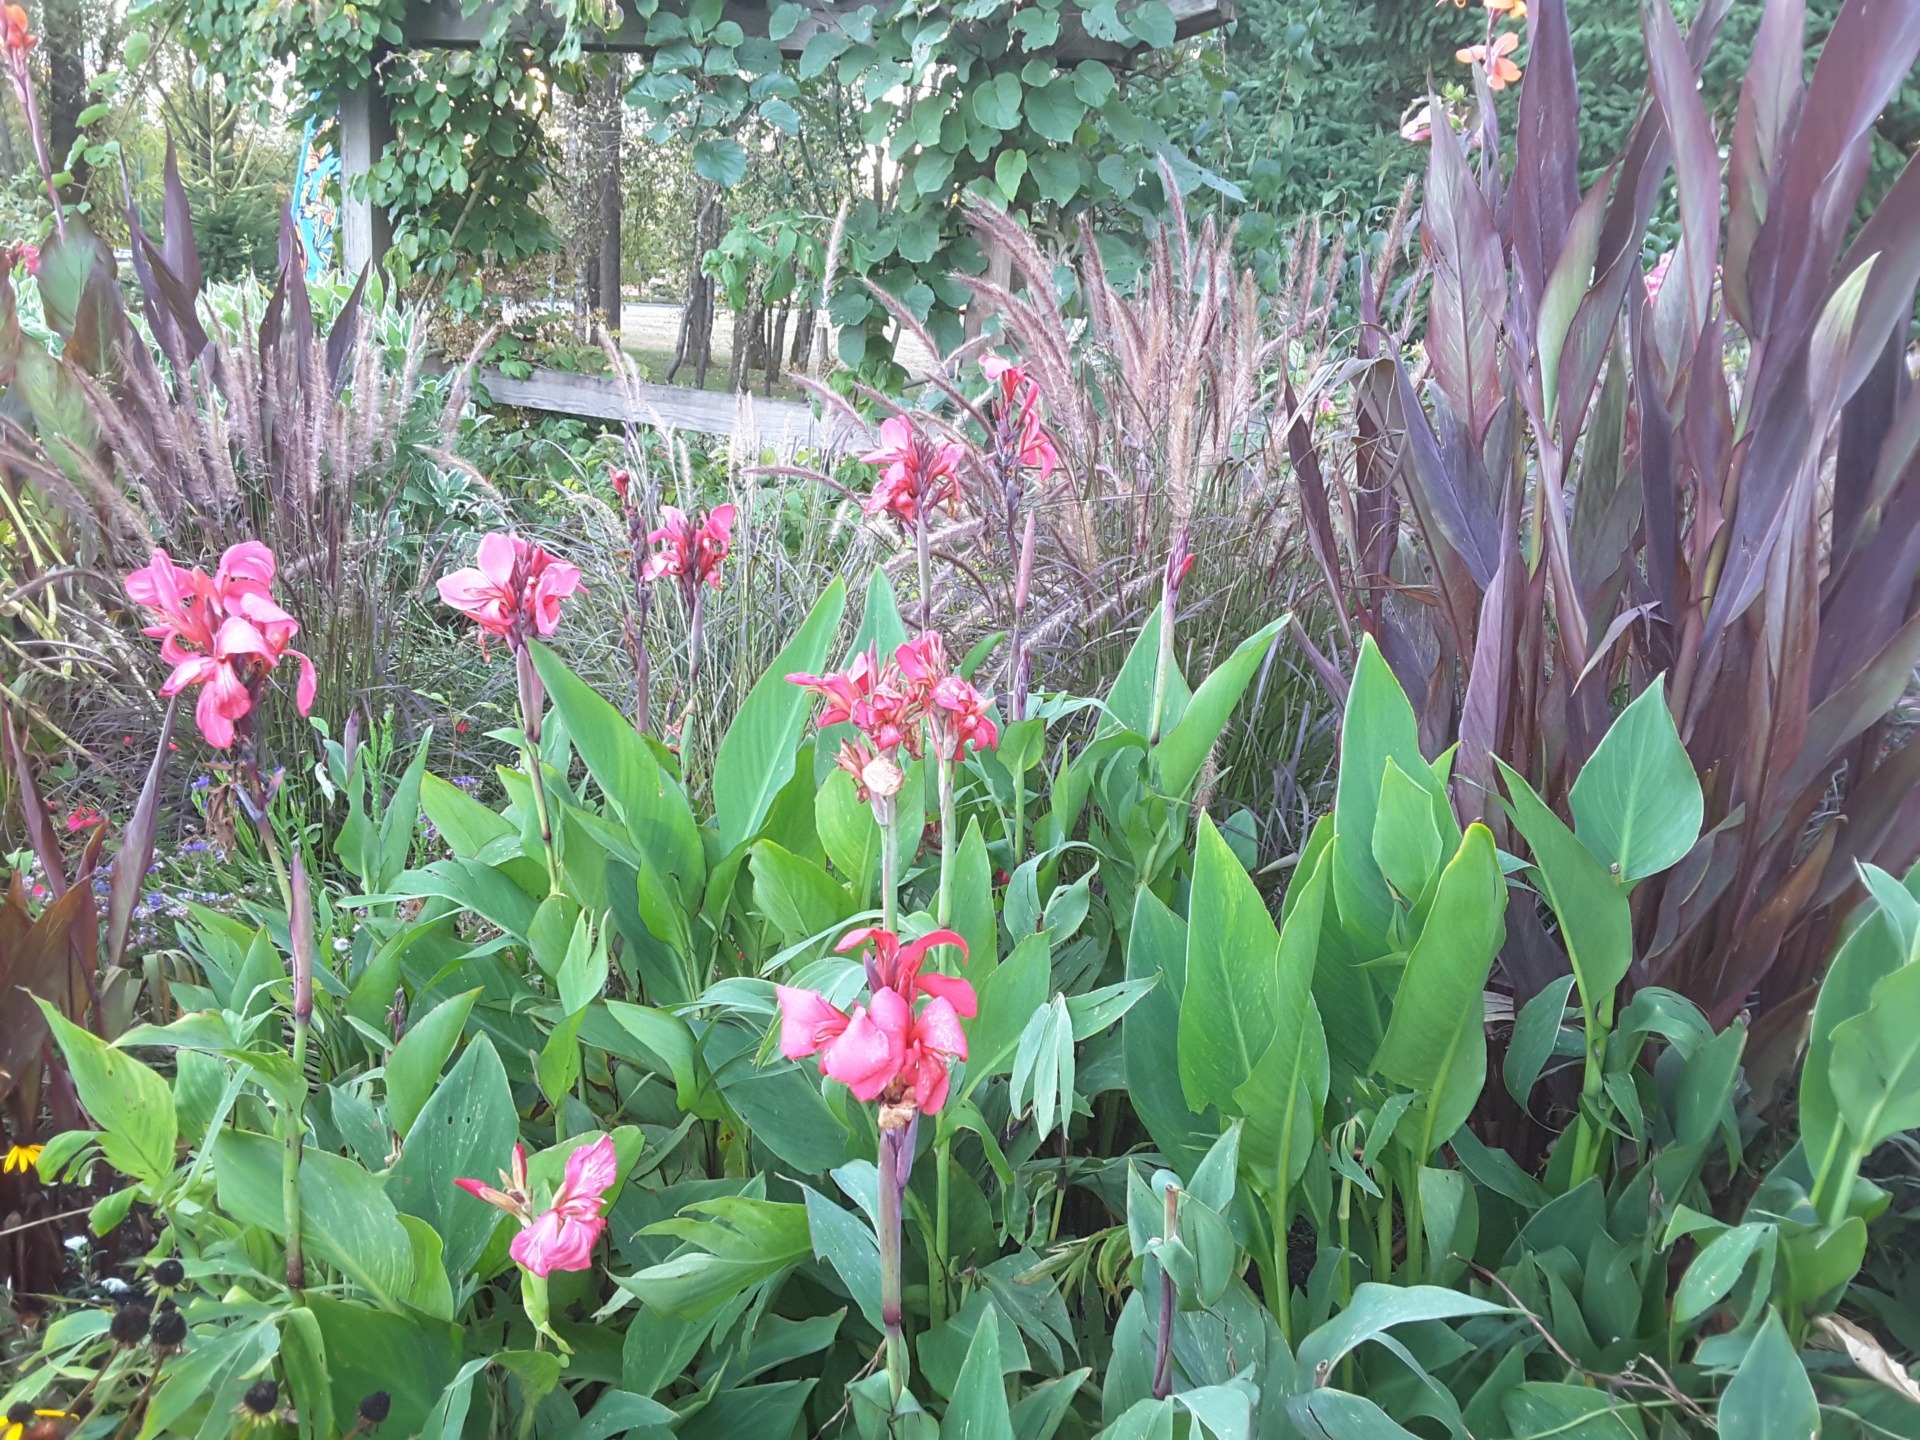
374	1408
170	1329
20	1414
169	1274
130	1324
262	1397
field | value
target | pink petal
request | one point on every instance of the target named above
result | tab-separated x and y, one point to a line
193	670
952	990
864	1057
498	553
309	686
239	637
807	1021
555	1242
249	560
938	1028
930	1083
720	522
591	1171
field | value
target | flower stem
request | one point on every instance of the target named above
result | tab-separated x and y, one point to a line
1163	1342
1383	1230
696	635
300	935
531	700
937	1297
889	865
924	544
29	101
891	1140
947	826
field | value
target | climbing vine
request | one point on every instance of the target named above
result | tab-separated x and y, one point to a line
988	98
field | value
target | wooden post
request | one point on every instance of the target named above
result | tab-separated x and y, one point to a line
365	129
610	196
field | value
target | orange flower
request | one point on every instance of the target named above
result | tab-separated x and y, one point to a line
15	37
1501	72
1512	9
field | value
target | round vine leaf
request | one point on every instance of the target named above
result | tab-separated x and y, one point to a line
1103	22
785	18
1152	23
1058	175
782	116
1054	110
997	102
1118	175
722	161
1009	169
1093	82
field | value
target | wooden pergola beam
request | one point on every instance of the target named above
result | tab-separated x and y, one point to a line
449	25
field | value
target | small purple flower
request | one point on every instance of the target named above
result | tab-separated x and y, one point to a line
201	782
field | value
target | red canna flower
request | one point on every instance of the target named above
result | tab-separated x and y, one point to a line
690	553
514	590
1015	412
876	698
621	480
958	716
223	633
16	36
916	473
83	819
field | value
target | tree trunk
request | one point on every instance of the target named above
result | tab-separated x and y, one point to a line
63	42
802	353
775	343
695	343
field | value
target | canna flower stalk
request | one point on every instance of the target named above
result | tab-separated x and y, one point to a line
691	554
636	631
1017	441
226	634
514	592
916	474
16	42
300	934
889	1053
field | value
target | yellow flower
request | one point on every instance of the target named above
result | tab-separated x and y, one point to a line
21	1416
1512	9
22	1158
1501	72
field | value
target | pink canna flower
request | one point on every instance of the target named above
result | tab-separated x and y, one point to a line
873	773
562	1236
876	699
514	590
690	553
957	714
223	633
897	967
916	473
1019	436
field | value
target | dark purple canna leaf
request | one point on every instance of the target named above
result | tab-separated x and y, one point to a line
1769	109
136	844
1469	286
1546	171
1696	166
179	250
346	328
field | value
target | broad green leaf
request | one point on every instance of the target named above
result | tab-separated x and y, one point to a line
1183	747
1337	1415
1715	1270
303	1355
1536	1409
795	894
1436	1042
1406	842
1637	802
973	916
979	1408
1534	1034
1130	701
1378	725
623	765
463	822
413	1070
1875	1066
557	1068
466	1130
1282	1099
756	758
1770	1396
346	1219
1375	1310
720	160
1897	904
1008	999
1150	1035
1867	956
1227	1013
129	1102
846	1244
1054	110
756	1410
732	1242
1595	926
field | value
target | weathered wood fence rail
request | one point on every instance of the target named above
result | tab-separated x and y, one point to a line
784	424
